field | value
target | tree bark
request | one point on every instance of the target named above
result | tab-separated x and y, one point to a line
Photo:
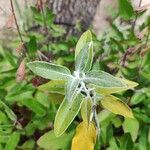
69	13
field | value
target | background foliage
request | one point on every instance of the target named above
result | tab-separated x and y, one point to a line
27	110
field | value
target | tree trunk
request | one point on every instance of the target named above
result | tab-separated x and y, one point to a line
71	13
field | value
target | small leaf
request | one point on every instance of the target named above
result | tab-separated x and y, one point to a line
49	70
85	137
129	85
34	105
51	142
71	90
85	38
9	112
125	9
12	141
131	126
54	86
84	59
32	44
66	113
86	110
116	106
103	79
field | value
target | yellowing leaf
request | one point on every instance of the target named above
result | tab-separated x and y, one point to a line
85	137
129	84
116	106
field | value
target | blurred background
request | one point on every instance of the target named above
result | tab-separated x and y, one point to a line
48	30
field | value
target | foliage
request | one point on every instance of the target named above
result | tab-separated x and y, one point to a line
31	107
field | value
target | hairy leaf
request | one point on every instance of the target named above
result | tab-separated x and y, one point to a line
66	113
84	59
85	137
116	106
103	79
129	85
86	110
71	90
85	38
49	70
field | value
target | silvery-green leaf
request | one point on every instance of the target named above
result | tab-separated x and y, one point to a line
71	90
84	59
66	113
103	79
49	70
85	38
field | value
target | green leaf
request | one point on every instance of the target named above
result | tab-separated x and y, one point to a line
85	38
84	59
66	113
54	86
103	79
125	9
129	85
126	142
34	105
86	110
9	112
71	90
50	142
12	141
32	44
49	70
116	106
29	144
131	126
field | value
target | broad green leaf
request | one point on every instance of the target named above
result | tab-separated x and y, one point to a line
86	109
125	142
85	38
50	142
138	97
54	86
12	141
84	59
103	79
55	98
125	9
66	113
71	90
131	126
9	112
85	137
29	144
116	106
34	105
129	85
42	98
49	70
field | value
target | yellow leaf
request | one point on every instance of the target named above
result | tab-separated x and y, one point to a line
116	106
129	85
85	137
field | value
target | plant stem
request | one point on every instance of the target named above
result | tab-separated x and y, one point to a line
147	38
18	29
